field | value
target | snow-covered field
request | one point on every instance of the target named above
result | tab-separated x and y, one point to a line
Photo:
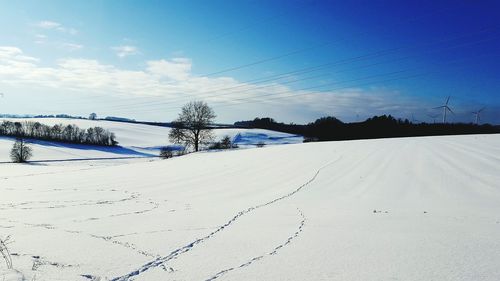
135	140
390	209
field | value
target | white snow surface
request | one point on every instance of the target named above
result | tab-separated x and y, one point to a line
135	140
423	208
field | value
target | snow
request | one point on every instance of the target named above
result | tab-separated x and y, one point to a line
11	275
389	209
135	140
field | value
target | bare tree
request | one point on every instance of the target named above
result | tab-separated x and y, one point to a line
21	152
192	127
92	116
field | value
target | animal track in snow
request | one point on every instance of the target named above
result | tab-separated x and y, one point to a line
273	252
179	251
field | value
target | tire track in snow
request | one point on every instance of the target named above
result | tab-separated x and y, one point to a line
184	249
273	252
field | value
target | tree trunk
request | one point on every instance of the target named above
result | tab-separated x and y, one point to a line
196	139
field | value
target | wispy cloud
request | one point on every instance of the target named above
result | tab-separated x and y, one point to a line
125	50
40	39
48	24
52	25
71	46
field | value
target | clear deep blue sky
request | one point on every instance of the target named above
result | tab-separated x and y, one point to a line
422	52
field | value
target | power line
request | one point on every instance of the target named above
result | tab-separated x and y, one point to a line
298	80
248	99
253	88
300	50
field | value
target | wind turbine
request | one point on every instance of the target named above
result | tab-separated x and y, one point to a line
433	116
445	108
476	113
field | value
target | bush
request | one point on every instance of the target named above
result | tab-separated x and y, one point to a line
224	143
180	152
261	144
21	152
215	145
166	152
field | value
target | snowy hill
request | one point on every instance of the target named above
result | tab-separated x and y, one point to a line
390	209
135	140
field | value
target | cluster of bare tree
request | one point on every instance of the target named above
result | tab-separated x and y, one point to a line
58	132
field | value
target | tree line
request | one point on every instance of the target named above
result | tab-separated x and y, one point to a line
58	132
385	126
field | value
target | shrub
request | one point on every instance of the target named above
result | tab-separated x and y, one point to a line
180	152
215	145
166	152
261	144
224	143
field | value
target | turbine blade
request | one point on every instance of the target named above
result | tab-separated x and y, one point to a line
450	109
447	100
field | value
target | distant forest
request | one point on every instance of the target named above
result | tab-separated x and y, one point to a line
386	126
58	132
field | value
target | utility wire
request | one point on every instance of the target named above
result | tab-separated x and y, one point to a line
254	88
245	100
301	50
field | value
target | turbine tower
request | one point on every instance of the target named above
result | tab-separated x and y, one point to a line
445	108
476	113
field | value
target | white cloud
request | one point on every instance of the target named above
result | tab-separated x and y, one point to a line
14	55
125	51
48	24
52	25
42	39
71	46
176	69
171	82
71	31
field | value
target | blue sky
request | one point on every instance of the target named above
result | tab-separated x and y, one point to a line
291	60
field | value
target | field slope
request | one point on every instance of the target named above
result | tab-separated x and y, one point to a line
390	209
135	140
